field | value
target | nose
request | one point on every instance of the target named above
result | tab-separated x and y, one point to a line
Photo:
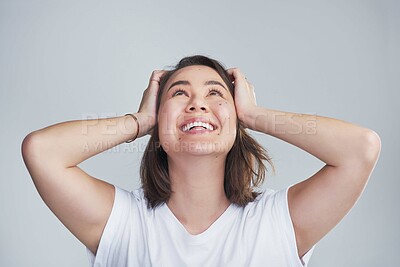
196	104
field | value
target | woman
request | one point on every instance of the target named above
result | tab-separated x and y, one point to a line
197	206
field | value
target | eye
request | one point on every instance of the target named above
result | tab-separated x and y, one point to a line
215	91
178	92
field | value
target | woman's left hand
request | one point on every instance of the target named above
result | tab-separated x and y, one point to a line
245	98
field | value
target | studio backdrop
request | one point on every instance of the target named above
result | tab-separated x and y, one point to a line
69	60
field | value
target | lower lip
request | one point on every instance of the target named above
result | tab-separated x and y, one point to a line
198	131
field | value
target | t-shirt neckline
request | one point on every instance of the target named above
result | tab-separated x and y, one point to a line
211	231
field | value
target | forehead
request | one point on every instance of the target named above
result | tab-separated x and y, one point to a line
195	72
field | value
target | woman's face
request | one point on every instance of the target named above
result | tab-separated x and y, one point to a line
197	113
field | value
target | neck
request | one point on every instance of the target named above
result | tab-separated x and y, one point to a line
197	198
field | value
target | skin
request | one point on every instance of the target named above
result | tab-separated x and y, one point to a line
316	204
197	170
350	153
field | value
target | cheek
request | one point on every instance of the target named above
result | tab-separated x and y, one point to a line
167	119
227	114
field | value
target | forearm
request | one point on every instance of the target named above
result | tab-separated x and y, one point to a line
333	141
70	143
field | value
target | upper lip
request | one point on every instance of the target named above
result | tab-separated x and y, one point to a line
198	119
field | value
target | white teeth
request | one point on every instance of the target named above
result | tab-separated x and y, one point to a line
206	125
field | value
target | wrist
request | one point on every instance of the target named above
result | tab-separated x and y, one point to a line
249	118
146	123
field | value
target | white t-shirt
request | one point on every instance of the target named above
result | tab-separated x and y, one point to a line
259	234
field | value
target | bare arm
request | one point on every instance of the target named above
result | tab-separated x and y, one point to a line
350	152
81	202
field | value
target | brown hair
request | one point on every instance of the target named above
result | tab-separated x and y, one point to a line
244	166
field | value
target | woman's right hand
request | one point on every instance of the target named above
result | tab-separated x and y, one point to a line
147	109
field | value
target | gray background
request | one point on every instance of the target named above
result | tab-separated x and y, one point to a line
65	60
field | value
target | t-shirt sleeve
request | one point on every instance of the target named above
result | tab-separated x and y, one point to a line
282	208
115	238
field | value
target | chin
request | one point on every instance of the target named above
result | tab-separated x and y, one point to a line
197	148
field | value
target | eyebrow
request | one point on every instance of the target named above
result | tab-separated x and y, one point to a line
184	82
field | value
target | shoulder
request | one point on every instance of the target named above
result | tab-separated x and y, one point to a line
128	203
266	194
124	225
276	219
268	197
128	212
138	194
125	195
269	208
132	198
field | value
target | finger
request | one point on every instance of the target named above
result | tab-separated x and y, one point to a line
239	78
235	72
230	74
154	81
156	76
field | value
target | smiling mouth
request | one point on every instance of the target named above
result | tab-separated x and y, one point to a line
197	127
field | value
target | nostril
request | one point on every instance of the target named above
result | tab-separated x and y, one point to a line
193	108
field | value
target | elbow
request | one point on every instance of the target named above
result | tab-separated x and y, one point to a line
363	157
30	148
371	147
